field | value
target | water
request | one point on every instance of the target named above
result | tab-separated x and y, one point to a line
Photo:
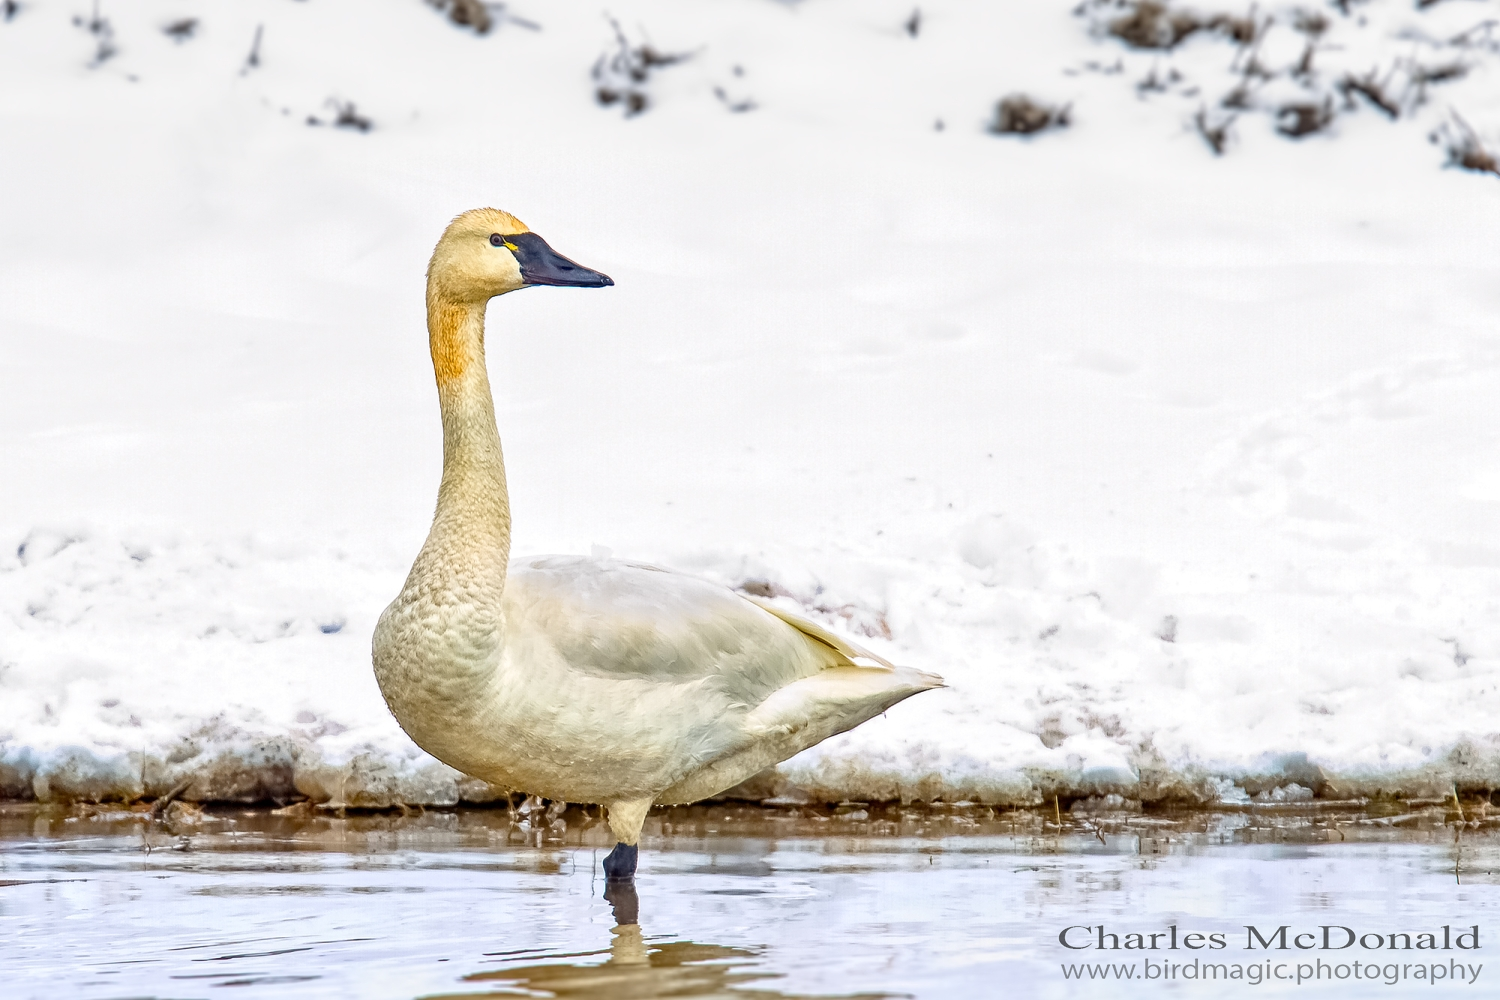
735	902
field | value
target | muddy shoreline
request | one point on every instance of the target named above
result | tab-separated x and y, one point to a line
537	824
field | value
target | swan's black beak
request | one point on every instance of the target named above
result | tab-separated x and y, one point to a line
542	265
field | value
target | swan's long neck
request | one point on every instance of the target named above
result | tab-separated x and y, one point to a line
436	647
469	544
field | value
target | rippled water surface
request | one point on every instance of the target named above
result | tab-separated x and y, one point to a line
741	902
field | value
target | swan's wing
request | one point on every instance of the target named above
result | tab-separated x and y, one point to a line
619	621
856	656
671	673
628	621
608	604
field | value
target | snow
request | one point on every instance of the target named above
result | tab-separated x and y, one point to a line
1181	468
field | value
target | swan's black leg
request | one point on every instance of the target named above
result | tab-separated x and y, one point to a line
619	864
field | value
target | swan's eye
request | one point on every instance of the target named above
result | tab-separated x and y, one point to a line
496	240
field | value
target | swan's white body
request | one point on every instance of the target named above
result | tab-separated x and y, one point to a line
588	680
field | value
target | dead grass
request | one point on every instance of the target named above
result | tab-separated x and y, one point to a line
1238	98
104	35
181	29
1149	24
1396	89
1311	23
1157	82
620	77
1304	118
1373	90
1439	74
473	14
1153	24
345	115
1480	35
1243	29
480	15
1464	148
1019	114
734	105
1304	68
252	61
1214	128
1392	100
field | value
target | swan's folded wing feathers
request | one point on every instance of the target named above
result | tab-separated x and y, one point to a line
848	650
620	620
692	684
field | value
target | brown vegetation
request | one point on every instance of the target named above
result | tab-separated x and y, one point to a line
1152	24
1464	148
620	77
1304	118
1214	129
466	13
1019	114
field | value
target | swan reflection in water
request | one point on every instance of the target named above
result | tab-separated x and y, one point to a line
636	969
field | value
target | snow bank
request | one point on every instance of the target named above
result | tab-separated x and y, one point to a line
1181	468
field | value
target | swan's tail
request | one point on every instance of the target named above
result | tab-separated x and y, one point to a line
856	656
856	686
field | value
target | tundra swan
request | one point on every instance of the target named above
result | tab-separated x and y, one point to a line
583	679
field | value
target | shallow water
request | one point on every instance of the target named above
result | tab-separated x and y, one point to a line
734	902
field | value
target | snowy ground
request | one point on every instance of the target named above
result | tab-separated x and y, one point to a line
1179	467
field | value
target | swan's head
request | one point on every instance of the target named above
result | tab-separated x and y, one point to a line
486	252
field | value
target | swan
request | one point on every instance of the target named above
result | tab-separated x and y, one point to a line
583	679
